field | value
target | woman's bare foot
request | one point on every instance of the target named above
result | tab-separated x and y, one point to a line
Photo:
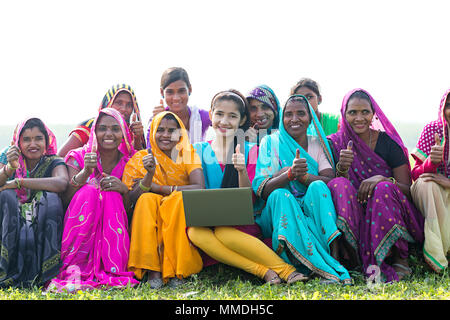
271	277
296	276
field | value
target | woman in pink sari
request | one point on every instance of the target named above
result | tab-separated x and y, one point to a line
95	240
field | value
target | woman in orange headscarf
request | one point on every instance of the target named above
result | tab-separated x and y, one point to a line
155	177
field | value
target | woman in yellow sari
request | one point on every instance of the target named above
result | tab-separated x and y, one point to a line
155	177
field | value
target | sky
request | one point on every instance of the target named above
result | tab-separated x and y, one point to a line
58	58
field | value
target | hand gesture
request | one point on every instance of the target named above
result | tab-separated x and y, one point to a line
12	155
159	108
346	157
299	166
112	183
136	126
238	159
437	151
90	160
149	162
251	135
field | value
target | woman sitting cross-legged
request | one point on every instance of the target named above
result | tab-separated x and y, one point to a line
156	177
371	194
225	166
95	240
297	211
31	211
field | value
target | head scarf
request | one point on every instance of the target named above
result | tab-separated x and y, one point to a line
22	171
170	171
366	162
125	147
278	150
265	94
426	140
114	91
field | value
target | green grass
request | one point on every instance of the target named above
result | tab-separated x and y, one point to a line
220	282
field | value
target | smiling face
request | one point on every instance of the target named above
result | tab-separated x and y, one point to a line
109	133
226	118
32	143
167	135
261	114
359	115
176	95
296	118
124	104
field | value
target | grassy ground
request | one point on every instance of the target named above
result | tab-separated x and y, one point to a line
221	282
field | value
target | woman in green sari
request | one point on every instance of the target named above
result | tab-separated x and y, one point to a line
296	209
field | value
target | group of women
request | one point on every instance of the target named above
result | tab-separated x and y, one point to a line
331	193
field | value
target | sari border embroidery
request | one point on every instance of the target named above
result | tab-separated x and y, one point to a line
433	263
303	260
389	240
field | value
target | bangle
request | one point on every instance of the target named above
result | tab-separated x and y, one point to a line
160	189
171	189
291	177
304	179
9	166
17	181
392	179
144	188
338	169
74	182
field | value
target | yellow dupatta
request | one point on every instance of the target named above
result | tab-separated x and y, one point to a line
158	230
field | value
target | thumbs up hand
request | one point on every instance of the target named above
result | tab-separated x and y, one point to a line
346	157
299	166
136	126
149	162
90	160
12	155
437	151
238	159
159	108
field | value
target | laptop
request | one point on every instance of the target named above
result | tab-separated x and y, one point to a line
218	207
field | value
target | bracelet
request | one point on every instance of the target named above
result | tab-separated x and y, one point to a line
304	179
291	177
9	166
338	169
74	182
17	181
392	179
144	188
160	189
171	189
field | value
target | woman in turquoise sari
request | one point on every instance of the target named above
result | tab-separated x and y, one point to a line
296	209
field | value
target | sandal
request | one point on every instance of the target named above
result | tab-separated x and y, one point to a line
272	278
402	275
295	277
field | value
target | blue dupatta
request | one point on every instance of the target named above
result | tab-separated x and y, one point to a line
278	150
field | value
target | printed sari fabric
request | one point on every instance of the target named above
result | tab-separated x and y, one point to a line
388	219
95	240
83	130
431	198
31	224
158	228
213	172
301	221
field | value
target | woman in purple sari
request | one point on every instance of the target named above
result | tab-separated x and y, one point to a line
95	241
372	189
